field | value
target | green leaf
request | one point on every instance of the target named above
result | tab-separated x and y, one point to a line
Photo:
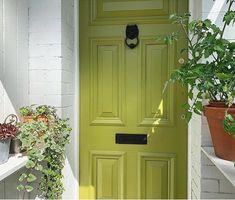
20	187
40	157
229	117
188	116
195	110
229	17
223	76
39	167
207	22
183	50
198	106
207	52
169	39
218	48
186	106
173	16
158	38
229	124
232	45
190	94
22	177
31	178
30	164
29	188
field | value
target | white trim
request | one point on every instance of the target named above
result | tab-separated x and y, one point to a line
14	163
77	92
189	173
195	9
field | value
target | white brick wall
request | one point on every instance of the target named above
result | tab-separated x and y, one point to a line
45	54
13	70
194	131
68	90
220	187
52	69
213	183
195	157
207	180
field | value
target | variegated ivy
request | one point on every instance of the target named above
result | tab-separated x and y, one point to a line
44	143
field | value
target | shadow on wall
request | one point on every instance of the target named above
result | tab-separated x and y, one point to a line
13	56
6	105
214	13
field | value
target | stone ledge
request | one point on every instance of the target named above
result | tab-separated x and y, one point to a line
14	163
225	167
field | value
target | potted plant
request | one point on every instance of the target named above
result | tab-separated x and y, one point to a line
27	113
44	136
8	131
210	74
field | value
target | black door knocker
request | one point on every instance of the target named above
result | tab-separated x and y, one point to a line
132	36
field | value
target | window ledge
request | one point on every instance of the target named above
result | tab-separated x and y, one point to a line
226	167
14	163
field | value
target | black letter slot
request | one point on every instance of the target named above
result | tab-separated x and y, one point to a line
125	138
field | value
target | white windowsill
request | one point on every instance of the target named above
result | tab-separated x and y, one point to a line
14	163
226	167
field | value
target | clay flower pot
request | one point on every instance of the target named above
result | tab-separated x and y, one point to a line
31	118
26	119
224	144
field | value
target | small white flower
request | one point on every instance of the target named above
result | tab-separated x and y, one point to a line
181	61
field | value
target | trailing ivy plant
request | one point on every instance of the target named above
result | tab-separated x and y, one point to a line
44	141
210	68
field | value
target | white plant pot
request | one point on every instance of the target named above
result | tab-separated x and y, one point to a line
4	150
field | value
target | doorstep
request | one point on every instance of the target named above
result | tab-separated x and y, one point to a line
226	167
14	163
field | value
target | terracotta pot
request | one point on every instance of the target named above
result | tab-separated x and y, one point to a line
224	144
31	118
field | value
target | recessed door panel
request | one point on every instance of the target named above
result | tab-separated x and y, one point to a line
157	175
155	105
107	174
119	11
107	76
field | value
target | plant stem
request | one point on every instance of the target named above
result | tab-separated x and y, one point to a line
214	57
229	8
186	33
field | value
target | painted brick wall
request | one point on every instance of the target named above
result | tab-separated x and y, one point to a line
213	184
195	157
52	69
207	181
13	71
45	55
68	87
194	132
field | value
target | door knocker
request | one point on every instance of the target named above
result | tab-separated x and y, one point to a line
132	36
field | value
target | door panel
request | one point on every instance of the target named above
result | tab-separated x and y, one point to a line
156	175
106	75
121	92
157	61
107	174
119	11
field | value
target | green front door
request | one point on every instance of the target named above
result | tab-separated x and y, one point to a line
121	92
